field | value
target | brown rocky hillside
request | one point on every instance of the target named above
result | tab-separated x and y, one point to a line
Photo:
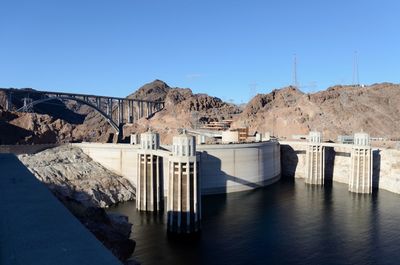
72	122
283	112
339	110
183	109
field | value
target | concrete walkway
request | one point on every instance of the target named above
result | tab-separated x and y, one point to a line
35	228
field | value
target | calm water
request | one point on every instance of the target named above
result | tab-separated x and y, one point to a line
286	223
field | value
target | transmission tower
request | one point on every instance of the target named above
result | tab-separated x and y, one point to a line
356	77
295	83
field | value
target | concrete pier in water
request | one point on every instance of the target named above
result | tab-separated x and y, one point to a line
361	165
357	165
184	200
315	160
150	179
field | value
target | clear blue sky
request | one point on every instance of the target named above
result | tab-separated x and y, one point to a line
224	48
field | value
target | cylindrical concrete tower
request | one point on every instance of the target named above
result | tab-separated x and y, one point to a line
361	139
315	160
184	200
149	141
361	165
315	137
150	179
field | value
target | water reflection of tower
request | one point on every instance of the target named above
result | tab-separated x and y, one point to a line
184	200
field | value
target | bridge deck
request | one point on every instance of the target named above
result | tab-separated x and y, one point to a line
22	91
35	228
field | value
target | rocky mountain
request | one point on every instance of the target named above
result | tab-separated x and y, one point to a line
154	91
59	122
183	109
339	110
283	112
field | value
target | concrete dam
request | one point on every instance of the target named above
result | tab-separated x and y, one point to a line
184	171
181	173
223	168
172	178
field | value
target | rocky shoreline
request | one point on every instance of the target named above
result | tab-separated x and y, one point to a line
86	188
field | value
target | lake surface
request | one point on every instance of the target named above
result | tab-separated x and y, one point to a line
286	223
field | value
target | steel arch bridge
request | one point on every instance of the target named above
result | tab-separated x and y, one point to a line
117	111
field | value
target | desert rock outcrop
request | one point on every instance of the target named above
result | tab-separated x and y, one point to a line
70	173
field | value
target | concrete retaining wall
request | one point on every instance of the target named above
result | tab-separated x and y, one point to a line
118	158
387	171
386	164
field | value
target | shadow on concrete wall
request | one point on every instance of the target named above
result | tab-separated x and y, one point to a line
289	161
329	164
376	170
211	168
